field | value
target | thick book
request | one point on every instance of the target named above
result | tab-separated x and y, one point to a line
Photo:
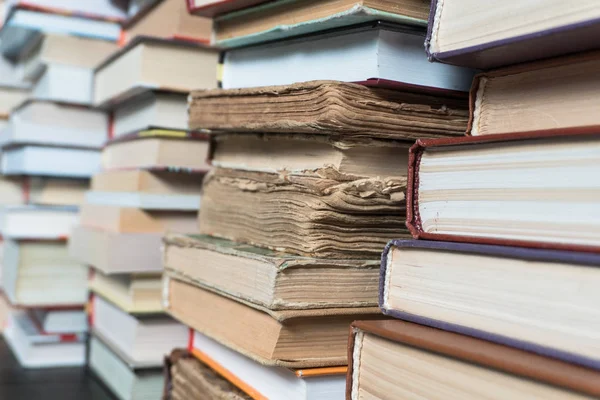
19	190
268	382
287	281
329	108
505	33
187	378
316	214
21	222
290	338
528	189
212	8
536	300
41	274
281	19
169	19
137	294
376	51
393	359
147	182
65	83
555	94
148	63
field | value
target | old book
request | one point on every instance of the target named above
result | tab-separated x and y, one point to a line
279	19
285	281
116	253
28	266
388	358
124	382
150	63
33	349
132	293
469	33
425	282
10	97
151	110
50	161
140	341
147	182
533	189
64	49
188	378
161	150
329	108
275	152
119	219
378	52
319	214
57	124
268	382
212	8
37	221
64	83
169	19
552	94
298	338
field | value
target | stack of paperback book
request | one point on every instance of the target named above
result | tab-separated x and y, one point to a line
50	147
308	184
151	175
498	297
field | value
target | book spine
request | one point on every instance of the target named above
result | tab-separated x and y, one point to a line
475	102
413	220
431	23
349	373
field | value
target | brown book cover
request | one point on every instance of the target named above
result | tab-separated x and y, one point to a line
480	352
413	218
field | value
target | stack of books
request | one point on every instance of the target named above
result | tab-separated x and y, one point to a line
498	296
149	184
308	184
50	147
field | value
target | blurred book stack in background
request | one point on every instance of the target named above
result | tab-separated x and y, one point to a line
149	184
307	186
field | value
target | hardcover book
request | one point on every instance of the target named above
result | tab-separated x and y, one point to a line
532	299
212	8
386	358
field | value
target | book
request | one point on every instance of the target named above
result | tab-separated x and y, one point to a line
169	19
49	321
57	124
553	94
159	150
526	189
125	383
296	339
37	221
24	26
116	253
188	378
53	191
212	8
133	293
50	161
141	342
144	201
375	51
318	214
341	109
10	73
456	365
10	97
505	34
268	382
276	20
425	282
12	191
99	9
148	63
70	50
284	281
151	110
147	182
36	350
274	152
119	219
30	266
64	83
